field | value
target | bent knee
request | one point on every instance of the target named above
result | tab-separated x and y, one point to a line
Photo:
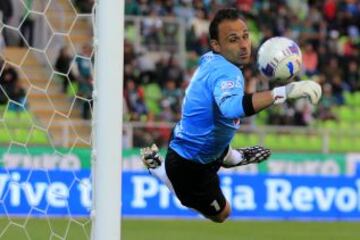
223	215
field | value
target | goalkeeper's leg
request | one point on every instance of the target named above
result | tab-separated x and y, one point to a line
197	185
155	163
160	174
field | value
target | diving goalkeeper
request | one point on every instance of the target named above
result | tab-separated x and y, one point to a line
214	103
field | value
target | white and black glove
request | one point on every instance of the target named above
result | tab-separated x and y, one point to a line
150	156
254	154
302	89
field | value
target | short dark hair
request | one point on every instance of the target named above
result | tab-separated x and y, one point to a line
220	16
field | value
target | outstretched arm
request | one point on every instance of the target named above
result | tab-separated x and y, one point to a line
302	89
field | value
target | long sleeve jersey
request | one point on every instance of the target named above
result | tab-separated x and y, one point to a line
211	110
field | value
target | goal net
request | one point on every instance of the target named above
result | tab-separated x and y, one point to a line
46	110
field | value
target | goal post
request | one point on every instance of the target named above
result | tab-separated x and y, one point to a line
107	122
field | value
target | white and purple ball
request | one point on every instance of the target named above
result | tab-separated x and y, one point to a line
279	58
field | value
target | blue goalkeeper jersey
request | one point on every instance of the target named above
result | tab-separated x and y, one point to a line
211	110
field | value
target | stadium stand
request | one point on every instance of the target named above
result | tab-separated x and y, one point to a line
165	39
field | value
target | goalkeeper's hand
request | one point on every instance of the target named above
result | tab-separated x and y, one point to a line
150	156
302	89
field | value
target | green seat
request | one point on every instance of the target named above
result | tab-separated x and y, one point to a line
261	118
345	144
330	124
356	126
39	137
301	142
25	119
244	140
356	144
72	89
272	141
21	135
341	144
287	142
4	135
2	110
346	114
350	99
10	116
356	114
253	139
239	140
314	143
153	95
345	126
334	144
356	98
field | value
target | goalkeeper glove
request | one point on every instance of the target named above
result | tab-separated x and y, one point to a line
150	156
255	154
302	89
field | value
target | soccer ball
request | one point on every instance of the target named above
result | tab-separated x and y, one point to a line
279	58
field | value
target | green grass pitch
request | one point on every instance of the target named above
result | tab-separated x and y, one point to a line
134	229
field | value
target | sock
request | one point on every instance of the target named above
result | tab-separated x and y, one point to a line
160	173
233	157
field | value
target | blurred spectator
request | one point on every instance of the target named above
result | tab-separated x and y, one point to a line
327	102
129	52
353	76
170	33
134	96
84	6
2	42
85	79
146	66
328	31
200	24
330	9
332	68
173	71
303	115
184	10
62	65
144	6
151	30
338	89
131	8
27	27
172	96
310	60
6	10
167	113
199	30
18	102
130	73
12	89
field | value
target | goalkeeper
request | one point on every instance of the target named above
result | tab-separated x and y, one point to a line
214	103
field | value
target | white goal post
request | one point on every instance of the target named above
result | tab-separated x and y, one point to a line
107	122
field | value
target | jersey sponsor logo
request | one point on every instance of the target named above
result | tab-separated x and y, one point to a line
227	85
238	83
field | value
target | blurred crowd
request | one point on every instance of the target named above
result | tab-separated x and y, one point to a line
77	78
327	32
162	49
76	73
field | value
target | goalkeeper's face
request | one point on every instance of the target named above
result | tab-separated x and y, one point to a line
233	41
